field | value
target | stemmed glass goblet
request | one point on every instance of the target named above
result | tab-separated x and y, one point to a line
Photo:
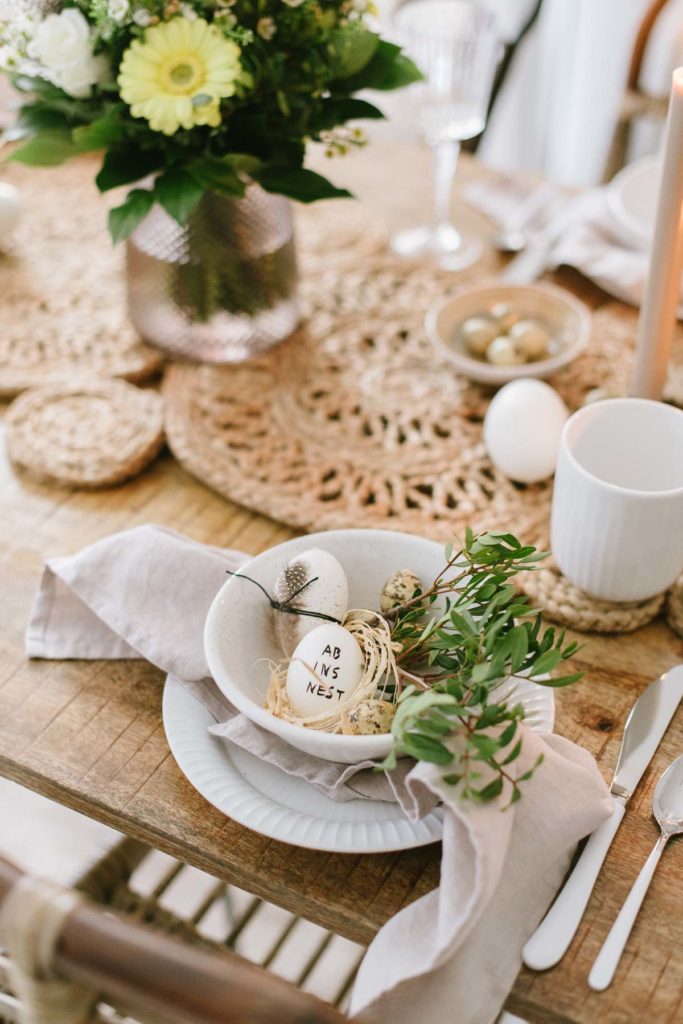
456	46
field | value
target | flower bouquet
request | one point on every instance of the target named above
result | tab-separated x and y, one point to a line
203	109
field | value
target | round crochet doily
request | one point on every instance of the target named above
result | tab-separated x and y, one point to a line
89	435
355	422
62	288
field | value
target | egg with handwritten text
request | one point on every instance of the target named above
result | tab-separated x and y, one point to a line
325	669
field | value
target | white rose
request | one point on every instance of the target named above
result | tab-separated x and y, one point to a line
61	40
118	10
78	79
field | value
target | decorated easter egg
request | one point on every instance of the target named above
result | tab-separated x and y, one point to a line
532	337
10	209
325	669
399	588
503	351
370	717
477	333
504	317
313	581
522	430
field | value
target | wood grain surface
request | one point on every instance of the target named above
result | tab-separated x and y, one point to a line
89	734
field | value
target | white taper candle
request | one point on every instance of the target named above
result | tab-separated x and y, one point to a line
663	291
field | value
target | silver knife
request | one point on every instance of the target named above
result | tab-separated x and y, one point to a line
645	726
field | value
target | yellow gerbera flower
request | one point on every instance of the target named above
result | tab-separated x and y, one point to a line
177	74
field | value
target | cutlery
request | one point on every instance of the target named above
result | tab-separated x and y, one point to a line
667	807
514	234
645	726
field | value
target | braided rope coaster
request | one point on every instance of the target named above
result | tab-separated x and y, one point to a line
88	435
674	607
62	289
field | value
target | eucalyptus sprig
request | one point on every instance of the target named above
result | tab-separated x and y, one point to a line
453	663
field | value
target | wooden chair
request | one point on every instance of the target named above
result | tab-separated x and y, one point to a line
132	968
636	103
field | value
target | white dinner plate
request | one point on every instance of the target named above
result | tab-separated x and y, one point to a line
265	799
632	201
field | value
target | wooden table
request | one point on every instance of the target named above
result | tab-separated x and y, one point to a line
89	734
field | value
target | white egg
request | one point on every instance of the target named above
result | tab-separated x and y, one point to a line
522	430
10	208
325	590
325	669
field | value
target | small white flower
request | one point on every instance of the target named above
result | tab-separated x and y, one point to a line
226	18
266	28
142	18
61	40
188	12
293	3
118	10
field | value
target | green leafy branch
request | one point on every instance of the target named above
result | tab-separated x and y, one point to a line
459	641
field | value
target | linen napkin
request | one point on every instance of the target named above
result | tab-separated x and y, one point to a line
452	955
145	593
578	230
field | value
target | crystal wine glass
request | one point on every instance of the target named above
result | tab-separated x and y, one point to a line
456	46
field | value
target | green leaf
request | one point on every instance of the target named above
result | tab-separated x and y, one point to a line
514	754
336	111
560	681
388	69
124	219
218	175
99	135
38	117
508	734
547	662
124	167
48	149
425	748
491	791
451	780
486	746
178	192
352	49
299	183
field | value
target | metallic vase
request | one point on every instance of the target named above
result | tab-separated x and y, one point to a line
220	289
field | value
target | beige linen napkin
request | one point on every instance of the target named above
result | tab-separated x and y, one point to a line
145	593
578	229
450	956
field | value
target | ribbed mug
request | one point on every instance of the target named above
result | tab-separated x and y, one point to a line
617	516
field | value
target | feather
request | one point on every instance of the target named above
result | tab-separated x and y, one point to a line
293	577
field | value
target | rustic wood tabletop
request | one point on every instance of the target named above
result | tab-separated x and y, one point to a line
90	735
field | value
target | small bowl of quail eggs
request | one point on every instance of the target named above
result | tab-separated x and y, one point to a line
503	332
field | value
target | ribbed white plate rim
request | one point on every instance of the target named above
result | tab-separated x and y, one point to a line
207	763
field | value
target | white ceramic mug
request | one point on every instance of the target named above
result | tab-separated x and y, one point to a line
617	518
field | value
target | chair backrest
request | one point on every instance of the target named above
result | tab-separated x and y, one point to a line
133	970
636	103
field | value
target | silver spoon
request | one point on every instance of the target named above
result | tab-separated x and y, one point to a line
667	807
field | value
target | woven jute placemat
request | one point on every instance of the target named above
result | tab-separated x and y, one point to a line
354	421
62	288
88	435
